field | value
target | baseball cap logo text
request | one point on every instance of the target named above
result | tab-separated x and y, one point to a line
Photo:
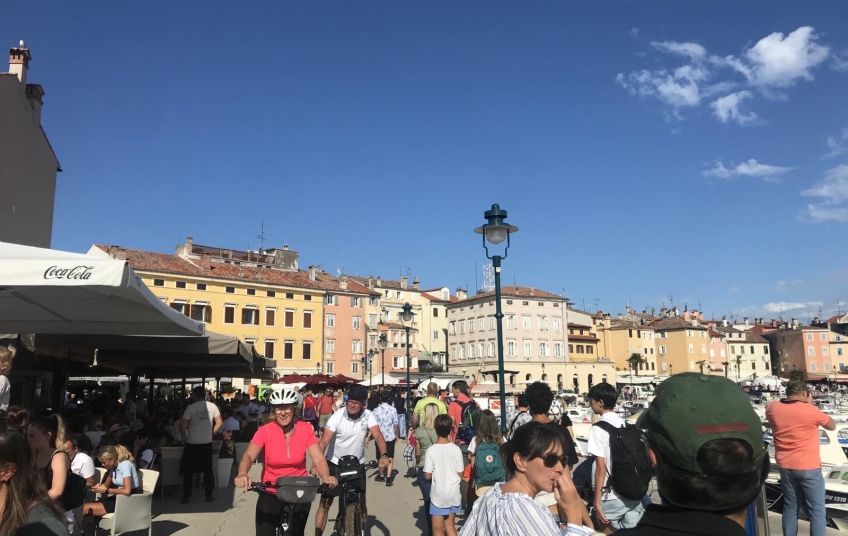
722	428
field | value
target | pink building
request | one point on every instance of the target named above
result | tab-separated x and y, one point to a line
345	332
806	348
395	355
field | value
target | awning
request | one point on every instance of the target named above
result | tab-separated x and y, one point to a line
635	380
49	291
211	355
380	379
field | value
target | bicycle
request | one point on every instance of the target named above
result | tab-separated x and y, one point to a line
349	521
291	491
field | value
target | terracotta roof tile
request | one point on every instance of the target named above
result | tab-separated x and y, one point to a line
394	325
590	338
674	323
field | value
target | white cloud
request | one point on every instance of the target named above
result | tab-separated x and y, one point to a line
837	145
751	168
634	32
778	307
839	61
833	188
639	54
726	109
693	51
783	286
779	62
774	64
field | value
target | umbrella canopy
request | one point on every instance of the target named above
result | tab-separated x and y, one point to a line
49	291
341	378
293	378
768	381
165	356
380	379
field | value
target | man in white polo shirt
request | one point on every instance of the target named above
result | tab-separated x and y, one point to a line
200	422
81	463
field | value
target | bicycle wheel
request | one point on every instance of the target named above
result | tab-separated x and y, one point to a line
353	521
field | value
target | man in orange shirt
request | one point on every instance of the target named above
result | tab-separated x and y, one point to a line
794	424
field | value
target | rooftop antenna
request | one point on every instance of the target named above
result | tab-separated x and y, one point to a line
671	299
514	283
597	304
340	270
475	276
584	304
838	305
261	235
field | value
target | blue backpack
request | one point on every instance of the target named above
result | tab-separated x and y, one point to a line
487	465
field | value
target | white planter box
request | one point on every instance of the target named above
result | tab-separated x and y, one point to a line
225	472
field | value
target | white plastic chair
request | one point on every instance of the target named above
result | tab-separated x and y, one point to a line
149	478
169	465
131	513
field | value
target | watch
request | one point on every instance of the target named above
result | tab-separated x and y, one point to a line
384	455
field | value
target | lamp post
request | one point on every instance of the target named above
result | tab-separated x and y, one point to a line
495	231
317	368
368	366
544	378
463	374
383	343
406	316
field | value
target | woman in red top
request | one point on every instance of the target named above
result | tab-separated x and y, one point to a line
286	442
310	410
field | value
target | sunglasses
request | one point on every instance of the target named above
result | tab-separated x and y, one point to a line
550	460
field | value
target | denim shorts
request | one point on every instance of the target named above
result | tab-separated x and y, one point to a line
436	511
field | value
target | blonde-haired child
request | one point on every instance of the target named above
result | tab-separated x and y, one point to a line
6	356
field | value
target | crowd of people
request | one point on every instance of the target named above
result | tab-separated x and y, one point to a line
699	437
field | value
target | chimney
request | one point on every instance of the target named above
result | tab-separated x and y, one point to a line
121	254
312	272
415	283
403	282
676	311
241	273
206	261
370	281
627	307
794	323
745	318
773	323
379	281
19	58
531	291
461	294
34	93
258	275
285	247
343	283
694	323
724	321
653	311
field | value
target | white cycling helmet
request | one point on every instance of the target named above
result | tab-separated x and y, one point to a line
555	413
282	394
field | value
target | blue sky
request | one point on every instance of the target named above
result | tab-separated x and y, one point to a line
645	149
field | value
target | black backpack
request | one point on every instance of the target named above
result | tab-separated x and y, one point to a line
468	421
631	471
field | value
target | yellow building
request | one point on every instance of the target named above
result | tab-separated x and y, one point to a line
619	339
681	345
261	298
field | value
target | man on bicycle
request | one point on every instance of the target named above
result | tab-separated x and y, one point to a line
345	435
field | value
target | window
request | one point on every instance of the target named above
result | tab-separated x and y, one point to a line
809	337
543	323
811	351
825	350
543	349
357	322
307	319
331	299
180	284
435	335
471	326
528	348
372	320
251	292
289	295
372	300
288	350
471	352
691	349
839	351
307	350
689	333
250	316
200	286
557	323
354	367
491	322
289	318
570	348
510	321
435	312
230	290
462	351
491	349
355	301
180	307
229	314
307	297
356	346
270	317
662	350
704	348
590	349
397	362
732	349
482	323
511	349
331	346
270	294
525	322
812	367
823	336
158	282
372	341
703	335
269	349
398	294
557	349
826	367
462	326
330	367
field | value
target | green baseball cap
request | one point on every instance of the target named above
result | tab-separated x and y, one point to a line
691	409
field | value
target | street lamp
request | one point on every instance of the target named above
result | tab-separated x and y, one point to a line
318	368
463	373
383	343
495	231
368	366
406	317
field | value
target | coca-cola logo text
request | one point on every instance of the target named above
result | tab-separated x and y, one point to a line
81	273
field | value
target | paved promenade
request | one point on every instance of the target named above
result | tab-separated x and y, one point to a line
393	510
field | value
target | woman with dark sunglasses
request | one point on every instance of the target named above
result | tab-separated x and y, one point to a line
534	461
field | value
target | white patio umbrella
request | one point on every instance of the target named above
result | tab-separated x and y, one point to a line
768	381
380	379
49	291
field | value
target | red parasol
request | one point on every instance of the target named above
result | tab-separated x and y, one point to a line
293	378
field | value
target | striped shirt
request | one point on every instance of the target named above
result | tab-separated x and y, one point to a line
514	514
